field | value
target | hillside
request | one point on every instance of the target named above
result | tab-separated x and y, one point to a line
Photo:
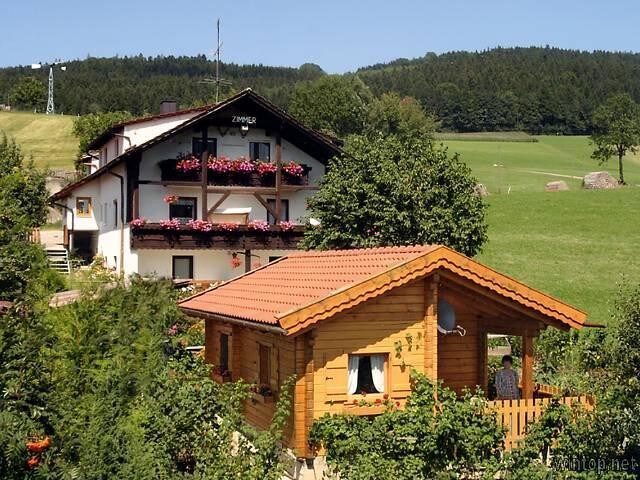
47	138
538	90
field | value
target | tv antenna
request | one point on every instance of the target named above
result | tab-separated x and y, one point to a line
51	107
217	80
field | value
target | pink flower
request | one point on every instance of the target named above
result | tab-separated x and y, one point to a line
286	226
242	165
189	163
138	223
171	199
258	226
200	225
235	261
219	164
228	227
172	330
293	169
266	168
173	224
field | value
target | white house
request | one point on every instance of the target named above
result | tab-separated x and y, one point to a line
203	193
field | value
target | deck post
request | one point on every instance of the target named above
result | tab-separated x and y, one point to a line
278	208
527	365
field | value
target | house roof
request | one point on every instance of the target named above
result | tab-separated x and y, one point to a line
117	127
304	288
291	128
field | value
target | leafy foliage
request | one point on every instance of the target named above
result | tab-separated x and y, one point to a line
435	436
386	191
336	105
616	130
28	93
22	207
402	116
89	126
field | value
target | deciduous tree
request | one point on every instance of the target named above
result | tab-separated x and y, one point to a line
29	93
386	191
616	130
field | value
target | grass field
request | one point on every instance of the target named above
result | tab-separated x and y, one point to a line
527	167
46	138
576	245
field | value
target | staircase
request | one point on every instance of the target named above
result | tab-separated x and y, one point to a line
58	259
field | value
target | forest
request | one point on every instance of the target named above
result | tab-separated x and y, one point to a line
536	89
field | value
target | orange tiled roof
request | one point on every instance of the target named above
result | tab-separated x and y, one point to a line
306	287
296	280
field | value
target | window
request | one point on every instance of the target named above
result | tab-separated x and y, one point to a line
273	258
260	151
83	206
197	146
224	352
182	266
184	209
115	213
284	210
265	366
366	374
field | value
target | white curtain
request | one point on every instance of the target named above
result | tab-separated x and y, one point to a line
354	362
377	372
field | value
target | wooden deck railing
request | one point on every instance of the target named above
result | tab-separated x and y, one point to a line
516	415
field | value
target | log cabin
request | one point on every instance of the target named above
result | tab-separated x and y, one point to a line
349	323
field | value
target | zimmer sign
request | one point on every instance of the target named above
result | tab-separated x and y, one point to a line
243	119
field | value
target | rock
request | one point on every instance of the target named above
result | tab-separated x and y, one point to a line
481	190
595	180
557	186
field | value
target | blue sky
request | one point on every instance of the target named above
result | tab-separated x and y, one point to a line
338	35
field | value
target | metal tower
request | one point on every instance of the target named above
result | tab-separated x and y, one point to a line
51	109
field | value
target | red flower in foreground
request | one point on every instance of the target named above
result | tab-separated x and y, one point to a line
378	401
386	396
397	404
33	462
40	446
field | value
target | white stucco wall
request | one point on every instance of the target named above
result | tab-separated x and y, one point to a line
207	264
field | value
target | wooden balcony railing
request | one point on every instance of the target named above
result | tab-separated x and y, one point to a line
517	415
169	173
153	236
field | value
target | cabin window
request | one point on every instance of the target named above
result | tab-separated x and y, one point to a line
366	374
264	376
83	206
260	151
198	144
284	210
224	353
115	213
182	266
184	209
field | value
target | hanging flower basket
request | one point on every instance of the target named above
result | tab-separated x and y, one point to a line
235	261
170	199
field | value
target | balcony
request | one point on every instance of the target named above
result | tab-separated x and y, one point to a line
171	172
220	237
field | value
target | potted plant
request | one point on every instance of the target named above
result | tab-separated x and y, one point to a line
260	226
267	172
241	169
219	169
293	172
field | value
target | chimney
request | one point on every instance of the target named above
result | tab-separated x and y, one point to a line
168	106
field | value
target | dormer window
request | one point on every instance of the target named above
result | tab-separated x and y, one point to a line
260	151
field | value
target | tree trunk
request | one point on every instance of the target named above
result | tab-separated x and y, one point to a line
620	169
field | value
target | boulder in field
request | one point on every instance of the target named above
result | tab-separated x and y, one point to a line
598	180
556	186
481	190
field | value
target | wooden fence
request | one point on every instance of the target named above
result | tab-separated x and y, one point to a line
516	415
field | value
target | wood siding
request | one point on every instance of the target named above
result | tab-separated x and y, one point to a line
375	327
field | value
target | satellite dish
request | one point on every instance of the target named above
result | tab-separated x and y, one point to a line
447	319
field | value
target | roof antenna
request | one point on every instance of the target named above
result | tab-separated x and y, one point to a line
217	80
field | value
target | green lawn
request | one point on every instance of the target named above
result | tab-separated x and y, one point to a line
47	138
527	166
576	245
